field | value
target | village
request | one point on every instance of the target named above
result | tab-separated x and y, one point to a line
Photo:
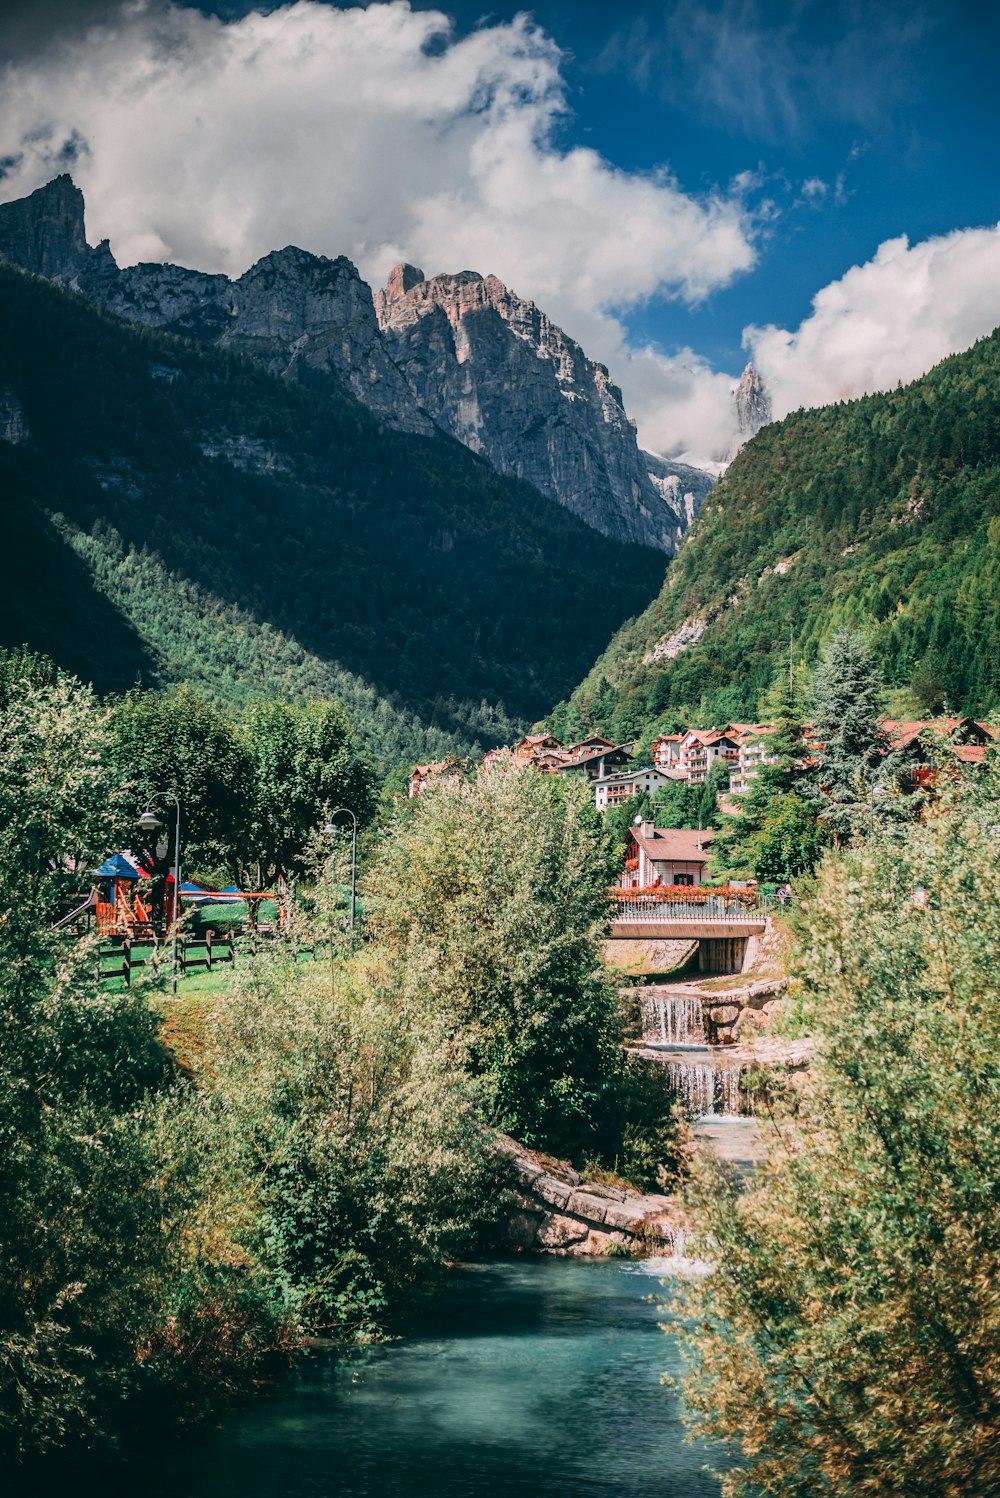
665	859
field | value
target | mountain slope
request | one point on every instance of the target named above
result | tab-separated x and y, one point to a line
490	369
883	513
496	373
281	507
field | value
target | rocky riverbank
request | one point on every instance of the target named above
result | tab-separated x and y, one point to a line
555	1211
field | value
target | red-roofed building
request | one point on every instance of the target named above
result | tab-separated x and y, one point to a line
665	855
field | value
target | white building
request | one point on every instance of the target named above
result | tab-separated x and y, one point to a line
612	789
753	753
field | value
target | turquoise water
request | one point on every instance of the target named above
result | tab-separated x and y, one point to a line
541	1378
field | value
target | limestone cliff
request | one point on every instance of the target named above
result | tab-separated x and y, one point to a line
753	406
461	353
494	371
290	307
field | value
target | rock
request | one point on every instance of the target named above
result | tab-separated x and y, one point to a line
753	405
460	353
583	1204
548	1189
557	1233
494	371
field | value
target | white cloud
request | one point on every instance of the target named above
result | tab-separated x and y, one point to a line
890	319
372	132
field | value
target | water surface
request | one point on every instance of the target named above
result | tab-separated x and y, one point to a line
539	1378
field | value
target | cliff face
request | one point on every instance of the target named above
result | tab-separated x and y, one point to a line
753	404
291	307
457	353
494	371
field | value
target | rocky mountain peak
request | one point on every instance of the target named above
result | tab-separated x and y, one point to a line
402	278
45	232
495	372
460	352
753	404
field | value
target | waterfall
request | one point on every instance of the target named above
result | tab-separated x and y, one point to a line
707	1091
673	1021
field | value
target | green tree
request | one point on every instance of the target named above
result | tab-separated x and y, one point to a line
82	1218
491	901
302	764
166	744
370	1170
774	834
855	763
848	1338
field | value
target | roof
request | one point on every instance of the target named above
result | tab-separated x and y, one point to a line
667	738
970	754
625	775
119	866
434	769
903	731
674	844
533	739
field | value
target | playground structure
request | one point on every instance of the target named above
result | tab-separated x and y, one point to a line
118	903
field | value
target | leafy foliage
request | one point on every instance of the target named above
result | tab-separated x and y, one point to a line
847	1336
490	901
882	514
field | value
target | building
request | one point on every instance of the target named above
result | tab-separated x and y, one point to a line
701	749
967	738
532	745
595	763
666	752
753	753
611	790
665	855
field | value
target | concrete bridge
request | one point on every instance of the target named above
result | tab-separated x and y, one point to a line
725	931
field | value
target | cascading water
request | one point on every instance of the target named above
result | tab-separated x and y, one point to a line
707	1091
673	1021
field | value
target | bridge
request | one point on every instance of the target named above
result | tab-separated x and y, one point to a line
721	927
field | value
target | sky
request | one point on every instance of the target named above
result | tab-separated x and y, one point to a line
683	186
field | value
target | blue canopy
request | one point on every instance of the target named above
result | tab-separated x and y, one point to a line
116	866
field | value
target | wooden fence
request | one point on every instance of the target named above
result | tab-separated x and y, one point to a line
208	951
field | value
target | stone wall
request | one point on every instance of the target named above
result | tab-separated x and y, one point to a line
555	1211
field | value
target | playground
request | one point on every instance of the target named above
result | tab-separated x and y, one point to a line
194	932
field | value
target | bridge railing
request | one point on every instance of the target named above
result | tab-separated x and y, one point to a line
643	910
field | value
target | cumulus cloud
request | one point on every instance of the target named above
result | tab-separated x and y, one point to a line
890	319
373	132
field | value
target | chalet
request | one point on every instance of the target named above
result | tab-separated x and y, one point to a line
967	738
597	763
533	744
665	855
611	790
701	749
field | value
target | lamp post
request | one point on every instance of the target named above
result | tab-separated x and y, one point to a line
328	830
149	822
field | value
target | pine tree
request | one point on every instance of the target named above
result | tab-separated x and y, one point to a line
775	834
855	766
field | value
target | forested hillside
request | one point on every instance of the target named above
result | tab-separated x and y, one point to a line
883	513
215	523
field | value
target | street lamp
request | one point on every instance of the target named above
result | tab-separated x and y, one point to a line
149	822
329	830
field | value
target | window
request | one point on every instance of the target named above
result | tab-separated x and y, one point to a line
685	879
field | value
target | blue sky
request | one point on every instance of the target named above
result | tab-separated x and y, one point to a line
681	185
894	107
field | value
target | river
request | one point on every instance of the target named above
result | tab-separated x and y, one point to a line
540	1378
